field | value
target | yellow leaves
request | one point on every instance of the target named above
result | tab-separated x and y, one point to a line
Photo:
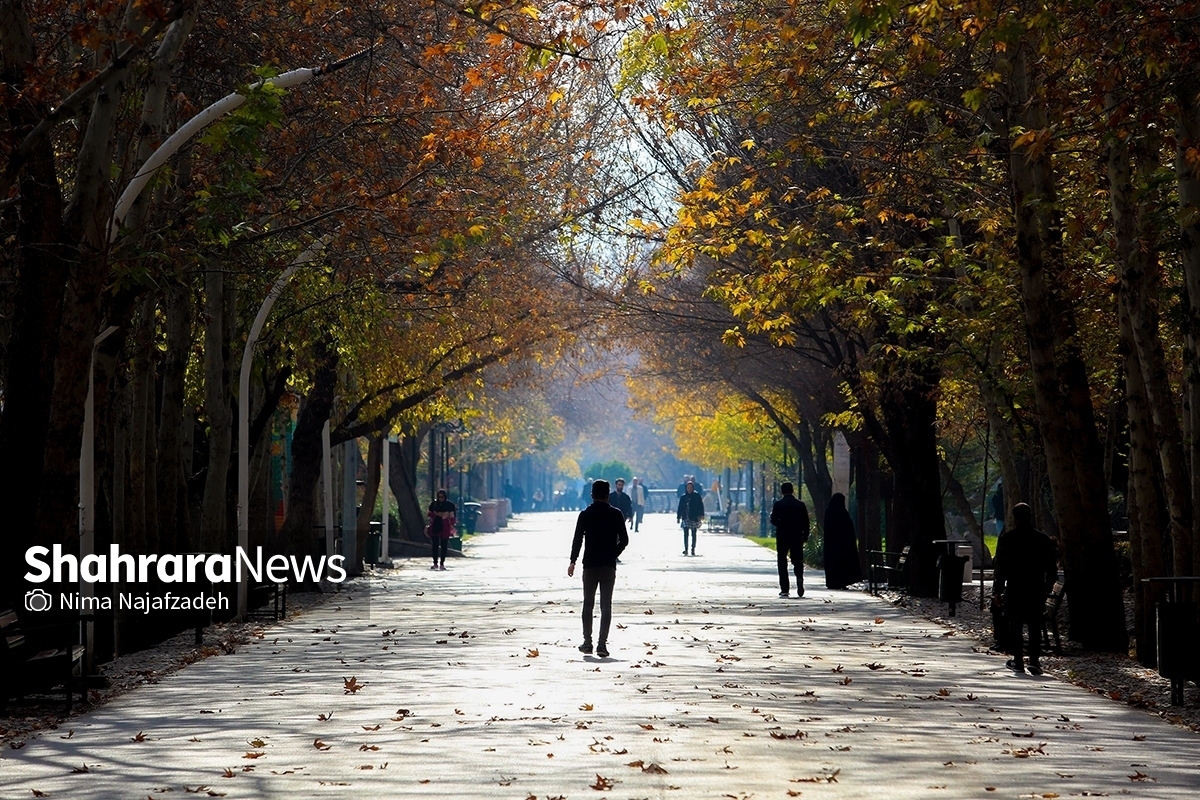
532	12
1024	140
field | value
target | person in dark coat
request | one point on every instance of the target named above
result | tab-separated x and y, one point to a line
600	533
842	566
622	501
689	514
1025	569
440	527
789	515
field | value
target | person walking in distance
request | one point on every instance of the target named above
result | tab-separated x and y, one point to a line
600	533
1025	568
622	501
689	514
440	528
789	515
637	493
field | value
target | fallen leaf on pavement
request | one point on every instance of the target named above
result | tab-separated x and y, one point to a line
602	783
317	743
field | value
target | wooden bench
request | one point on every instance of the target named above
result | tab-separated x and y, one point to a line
24	669
1054	602
880	573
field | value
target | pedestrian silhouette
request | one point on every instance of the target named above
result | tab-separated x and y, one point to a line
600	532
789	515
1025	569
842	566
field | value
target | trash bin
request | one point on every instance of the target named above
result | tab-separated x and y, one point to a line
489	510
1178	655
1177	634
470	514
374	546
950	579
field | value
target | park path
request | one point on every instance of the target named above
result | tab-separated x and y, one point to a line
472	687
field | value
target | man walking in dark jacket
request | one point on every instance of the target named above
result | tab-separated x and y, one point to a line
622	502
1026	567
789	515
600	532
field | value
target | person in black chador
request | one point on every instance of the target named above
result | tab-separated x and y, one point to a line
790	518
600	532
842	566
1026	566
689	514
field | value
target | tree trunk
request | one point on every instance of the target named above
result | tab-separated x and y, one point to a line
1140	276
1071	444
812	450
401	480
1004	434
172	480
141	345
1187	170
908	411
1142	499
370	493
300	525
217	413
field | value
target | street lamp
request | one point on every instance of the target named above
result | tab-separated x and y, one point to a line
243	463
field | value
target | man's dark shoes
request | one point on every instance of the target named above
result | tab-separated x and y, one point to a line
601	651
586	648
1015	666
1035	668
783	594
800	592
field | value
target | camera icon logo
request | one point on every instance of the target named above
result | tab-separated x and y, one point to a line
38	600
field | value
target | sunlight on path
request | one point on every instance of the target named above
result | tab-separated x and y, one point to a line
471	686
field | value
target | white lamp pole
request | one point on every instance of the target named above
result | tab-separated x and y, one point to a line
87	479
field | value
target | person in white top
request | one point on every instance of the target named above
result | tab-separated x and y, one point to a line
637	492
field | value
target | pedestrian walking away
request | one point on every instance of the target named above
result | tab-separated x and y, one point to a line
842	565
600	533
689	514
1025	569
440	528
789	515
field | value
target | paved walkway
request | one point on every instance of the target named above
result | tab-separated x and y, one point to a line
472	687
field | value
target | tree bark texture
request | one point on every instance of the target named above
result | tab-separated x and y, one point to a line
1187	169
1140	283
908	410
1063	398
299	526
